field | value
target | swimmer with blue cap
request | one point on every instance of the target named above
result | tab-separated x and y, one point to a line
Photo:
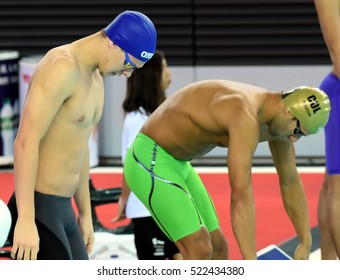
64	104
134	33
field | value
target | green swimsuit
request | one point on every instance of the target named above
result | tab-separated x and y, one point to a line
171	189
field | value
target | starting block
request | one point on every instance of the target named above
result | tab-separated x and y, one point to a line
272	252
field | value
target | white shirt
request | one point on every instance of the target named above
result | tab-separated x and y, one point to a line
133	122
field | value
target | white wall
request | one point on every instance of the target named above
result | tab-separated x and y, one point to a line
271	77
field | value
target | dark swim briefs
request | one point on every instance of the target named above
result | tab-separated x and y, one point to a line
331	85
59	234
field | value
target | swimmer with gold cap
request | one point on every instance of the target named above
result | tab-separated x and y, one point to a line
310	106
235	116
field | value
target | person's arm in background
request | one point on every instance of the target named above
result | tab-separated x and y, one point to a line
132	124
122	202
329	19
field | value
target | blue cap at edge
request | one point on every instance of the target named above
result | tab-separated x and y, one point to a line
135	33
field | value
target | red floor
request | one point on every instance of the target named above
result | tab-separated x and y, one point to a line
273	225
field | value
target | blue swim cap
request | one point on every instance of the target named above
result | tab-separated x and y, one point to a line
134	33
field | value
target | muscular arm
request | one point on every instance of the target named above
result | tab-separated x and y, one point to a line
293	194
329	19
242	206
46	95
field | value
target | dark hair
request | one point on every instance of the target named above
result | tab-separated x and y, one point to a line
144	87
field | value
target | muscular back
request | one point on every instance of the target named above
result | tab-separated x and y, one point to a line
200	116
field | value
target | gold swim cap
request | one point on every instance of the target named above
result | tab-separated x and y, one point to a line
309	105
